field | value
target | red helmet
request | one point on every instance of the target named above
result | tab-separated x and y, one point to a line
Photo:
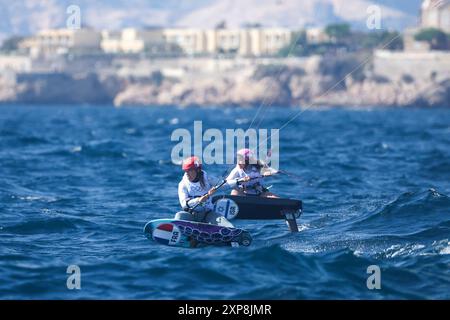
191	162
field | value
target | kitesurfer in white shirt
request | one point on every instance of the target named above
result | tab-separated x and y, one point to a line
246	179
194	192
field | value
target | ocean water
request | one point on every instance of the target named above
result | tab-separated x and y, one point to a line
78	184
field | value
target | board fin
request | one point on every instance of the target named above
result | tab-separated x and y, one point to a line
291	221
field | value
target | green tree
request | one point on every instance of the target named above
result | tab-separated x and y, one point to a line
297	47
385	39
339	32
11	44
436	38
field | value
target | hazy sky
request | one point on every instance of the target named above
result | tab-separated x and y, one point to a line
29	16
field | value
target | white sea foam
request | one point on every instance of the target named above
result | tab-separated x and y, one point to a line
442	247
38	198
300	248
398	250
445	250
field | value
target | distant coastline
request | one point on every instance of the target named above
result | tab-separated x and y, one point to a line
388	79
251	63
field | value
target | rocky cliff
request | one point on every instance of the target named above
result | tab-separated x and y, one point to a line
289	87
275	85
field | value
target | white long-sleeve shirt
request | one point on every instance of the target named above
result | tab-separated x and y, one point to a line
254	186
190	192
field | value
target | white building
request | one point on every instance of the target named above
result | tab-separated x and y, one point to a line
15	63
111	41
435	14
316	35
274	39
191	41
245	42
130	40
58	41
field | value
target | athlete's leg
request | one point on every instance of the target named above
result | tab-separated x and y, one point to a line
235	192
183	215
215	218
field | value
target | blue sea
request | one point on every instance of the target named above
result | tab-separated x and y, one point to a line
78	184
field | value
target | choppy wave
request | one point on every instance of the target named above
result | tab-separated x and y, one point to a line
410	213
47	225
78	185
